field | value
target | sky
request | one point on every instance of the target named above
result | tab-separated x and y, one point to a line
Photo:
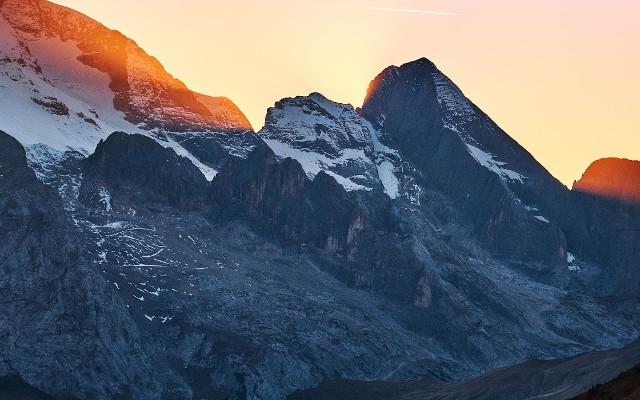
560	76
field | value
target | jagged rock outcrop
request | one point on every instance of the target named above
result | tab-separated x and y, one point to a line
324	136
63	330
259	185
279	198
138	168
282	203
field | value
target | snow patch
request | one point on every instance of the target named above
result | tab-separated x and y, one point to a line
346	183
43	159
208	172
541	218
572	265
488	161
389	180
458	111
312	163
83	90
105	199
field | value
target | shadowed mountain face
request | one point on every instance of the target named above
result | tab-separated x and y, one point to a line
625	386
514	206
612	178
161	175
411	239
265	281
495	184
63	330
553	380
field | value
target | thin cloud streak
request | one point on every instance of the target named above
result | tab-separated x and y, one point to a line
412	11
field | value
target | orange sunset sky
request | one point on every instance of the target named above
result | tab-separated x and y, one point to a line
561	77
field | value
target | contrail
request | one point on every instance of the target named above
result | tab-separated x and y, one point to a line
408	10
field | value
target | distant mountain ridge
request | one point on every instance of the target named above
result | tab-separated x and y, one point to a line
613	178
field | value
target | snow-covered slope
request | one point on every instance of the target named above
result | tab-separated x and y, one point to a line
49	97
461	117
67	82
327	136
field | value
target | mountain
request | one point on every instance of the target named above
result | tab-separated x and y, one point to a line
59	316
326	136
613	178
611	221
626	386
409	239
535	379
68	82
461	153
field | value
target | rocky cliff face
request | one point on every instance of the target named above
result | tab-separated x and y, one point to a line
160	175
320	214
64	331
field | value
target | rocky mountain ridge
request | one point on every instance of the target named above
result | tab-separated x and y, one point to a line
68	82
166	261
142	89
408	239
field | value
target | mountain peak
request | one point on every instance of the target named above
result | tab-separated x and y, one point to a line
45	35
417	69
616	178
326	125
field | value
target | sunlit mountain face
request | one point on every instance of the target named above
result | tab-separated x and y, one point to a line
153	246
80	57
612	178
69	82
